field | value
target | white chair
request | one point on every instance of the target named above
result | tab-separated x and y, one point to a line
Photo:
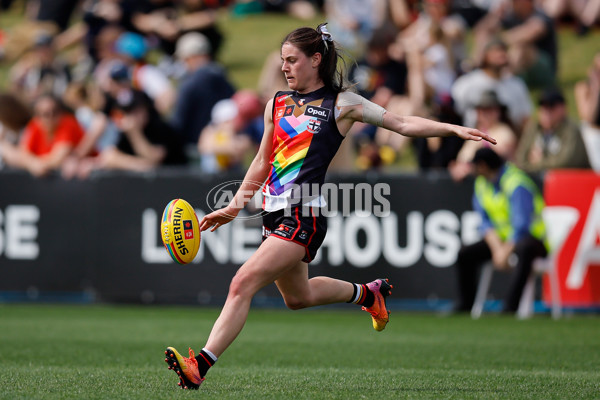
559	222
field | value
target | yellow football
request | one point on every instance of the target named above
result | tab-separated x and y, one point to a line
180	231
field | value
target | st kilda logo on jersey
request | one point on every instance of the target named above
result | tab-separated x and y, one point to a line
313	126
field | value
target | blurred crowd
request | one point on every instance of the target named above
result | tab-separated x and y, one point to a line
137	84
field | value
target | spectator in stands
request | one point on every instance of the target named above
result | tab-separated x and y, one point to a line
14	116
472	11
493	75
49	138
403	12
40	71
301	9
512	229
205	84
56	11
590	16
531	37
554	140
434	46
377	76
584	12
87	102
107	56
385	82
97	16
222	146
351	25
437	14
250	119
167	21
435	65
587	98
418	83
491	119
132	48
146	142
438	153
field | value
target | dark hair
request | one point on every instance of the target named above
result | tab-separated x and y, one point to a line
311	41
495	42
488	157
14	114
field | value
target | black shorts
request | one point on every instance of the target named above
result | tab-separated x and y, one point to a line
306	228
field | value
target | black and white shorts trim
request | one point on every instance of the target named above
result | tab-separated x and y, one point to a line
300	225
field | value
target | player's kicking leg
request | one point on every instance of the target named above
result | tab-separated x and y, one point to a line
273	258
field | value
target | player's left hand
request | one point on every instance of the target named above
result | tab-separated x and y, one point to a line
472	134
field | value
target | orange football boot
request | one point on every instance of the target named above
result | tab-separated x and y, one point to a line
381	288
186	368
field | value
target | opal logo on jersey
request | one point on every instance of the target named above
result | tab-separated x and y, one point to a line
318	112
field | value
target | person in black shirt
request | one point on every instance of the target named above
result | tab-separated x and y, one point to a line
146	141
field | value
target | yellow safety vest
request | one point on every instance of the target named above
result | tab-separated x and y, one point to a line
497	206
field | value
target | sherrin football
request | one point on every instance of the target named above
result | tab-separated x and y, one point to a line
180	231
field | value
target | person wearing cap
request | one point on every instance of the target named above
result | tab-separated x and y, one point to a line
512	230
131	49
146	142
493	74
492	119
553	140
200	89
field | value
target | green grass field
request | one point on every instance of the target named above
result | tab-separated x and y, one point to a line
101	352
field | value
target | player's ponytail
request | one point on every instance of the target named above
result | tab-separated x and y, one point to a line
311	41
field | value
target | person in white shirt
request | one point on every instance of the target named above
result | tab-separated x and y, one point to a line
493	75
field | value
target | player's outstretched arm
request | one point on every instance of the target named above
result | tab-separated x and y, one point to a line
354	107
421	127
253	180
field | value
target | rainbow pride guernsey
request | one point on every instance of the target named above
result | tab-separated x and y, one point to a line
305	141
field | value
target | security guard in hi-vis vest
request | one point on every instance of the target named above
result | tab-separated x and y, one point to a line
510	205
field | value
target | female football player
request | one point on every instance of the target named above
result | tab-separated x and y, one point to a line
303	130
